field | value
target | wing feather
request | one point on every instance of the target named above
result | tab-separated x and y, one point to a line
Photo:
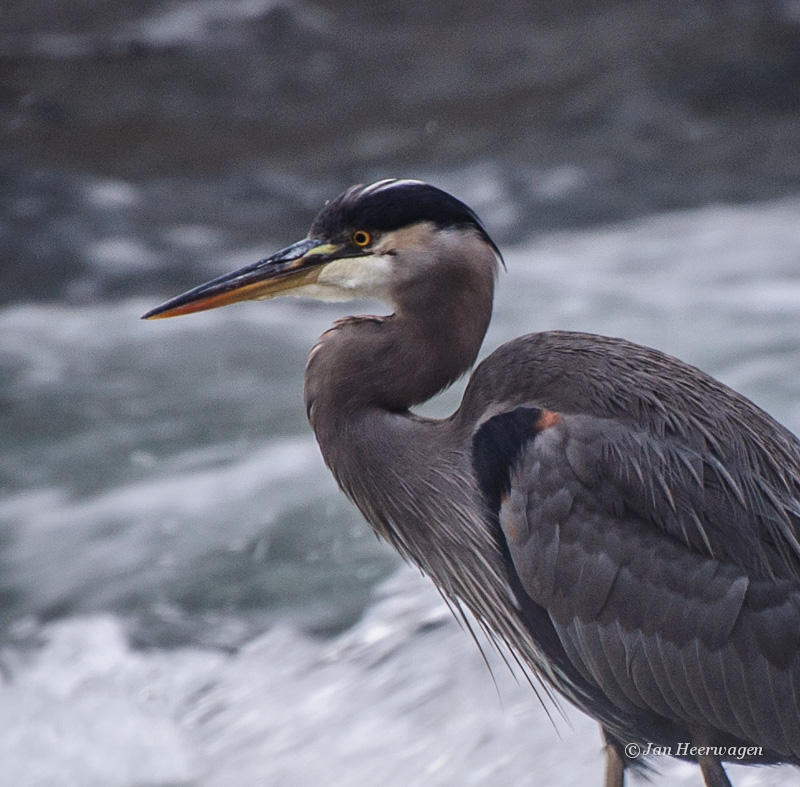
660	623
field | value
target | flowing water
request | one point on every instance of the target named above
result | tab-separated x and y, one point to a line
187	599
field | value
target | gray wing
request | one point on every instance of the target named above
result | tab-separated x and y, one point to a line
686	453
659	569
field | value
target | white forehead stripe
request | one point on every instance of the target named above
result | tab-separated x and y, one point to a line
389	183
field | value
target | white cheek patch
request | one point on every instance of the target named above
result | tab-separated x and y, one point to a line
355	277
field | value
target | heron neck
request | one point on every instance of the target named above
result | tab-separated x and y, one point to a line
361	379
411	477
365	374
398	361
365	368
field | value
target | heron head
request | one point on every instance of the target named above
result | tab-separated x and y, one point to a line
378	241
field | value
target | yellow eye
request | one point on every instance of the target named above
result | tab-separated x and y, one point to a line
361	238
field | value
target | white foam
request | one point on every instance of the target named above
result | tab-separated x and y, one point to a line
402	698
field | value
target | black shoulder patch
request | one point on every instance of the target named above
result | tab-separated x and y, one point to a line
496	445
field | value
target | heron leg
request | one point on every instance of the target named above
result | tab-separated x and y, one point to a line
615	768
615	762
713	773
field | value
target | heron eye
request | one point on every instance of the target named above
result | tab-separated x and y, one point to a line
361	238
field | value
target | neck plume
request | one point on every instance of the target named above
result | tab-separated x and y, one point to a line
412	477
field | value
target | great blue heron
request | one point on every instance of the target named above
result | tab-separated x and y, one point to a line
628	526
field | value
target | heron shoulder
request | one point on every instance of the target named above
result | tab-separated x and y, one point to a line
697	461
580	373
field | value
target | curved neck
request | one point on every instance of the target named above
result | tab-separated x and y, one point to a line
361	378
399	361
404	473
366	372
412	477
391	363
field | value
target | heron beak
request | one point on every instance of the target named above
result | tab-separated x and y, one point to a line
291	267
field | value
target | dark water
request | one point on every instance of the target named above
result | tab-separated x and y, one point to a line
186	597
